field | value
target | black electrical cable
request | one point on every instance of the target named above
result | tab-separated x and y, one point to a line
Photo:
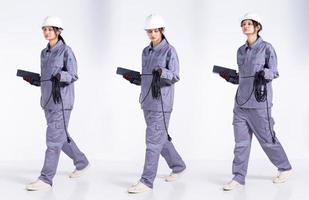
64	123
155	88
56	90
260	87
57	98
260	92
168	135
272	132
155	84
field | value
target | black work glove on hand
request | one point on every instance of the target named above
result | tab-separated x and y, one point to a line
128	78
32	82
136	81
159	70
260	75
29	80
225	75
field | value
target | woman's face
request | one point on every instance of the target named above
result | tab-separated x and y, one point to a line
248	27
154	35
49	33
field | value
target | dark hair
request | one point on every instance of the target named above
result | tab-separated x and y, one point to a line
255	24
59	36
162	34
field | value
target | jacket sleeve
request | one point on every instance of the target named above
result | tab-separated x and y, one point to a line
69	71
170	74
270	68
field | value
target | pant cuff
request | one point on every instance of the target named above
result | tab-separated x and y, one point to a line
146	182
179	170
239	179
46	181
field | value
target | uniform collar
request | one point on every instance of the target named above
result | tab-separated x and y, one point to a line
159	46
56	47
255	44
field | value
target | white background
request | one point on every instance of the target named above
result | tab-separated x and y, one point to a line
107	122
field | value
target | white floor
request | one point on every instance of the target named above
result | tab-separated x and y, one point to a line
109	181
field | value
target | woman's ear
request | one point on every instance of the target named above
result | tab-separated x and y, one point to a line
258	27
162	30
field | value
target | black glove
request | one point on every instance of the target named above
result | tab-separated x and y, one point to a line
58	76
225	75
32	82
260	74
159	70
129	78
157	73
136	81
29	80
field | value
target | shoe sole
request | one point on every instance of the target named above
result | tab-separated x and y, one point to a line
38	189
281	181
239	187
138	192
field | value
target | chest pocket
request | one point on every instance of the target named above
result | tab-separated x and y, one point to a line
241	60
258	60
157	61
165	62
258	63
59	62
55	62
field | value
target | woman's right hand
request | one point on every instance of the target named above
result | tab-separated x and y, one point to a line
129	78
225	75
29	80
32	82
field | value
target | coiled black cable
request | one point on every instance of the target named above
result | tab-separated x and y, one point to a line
57	98
56	90
155	88
260	92
260	87
155	84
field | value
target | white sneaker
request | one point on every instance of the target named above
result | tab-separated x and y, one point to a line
139	187
78	173
173	176
282	176
38	185
232	185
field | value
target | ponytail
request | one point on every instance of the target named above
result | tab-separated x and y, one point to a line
59	36
162	34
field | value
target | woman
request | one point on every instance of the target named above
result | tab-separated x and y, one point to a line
257	63
58	74
160	69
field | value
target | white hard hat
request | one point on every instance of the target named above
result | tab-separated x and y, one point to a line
53	21
154	21
252	16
